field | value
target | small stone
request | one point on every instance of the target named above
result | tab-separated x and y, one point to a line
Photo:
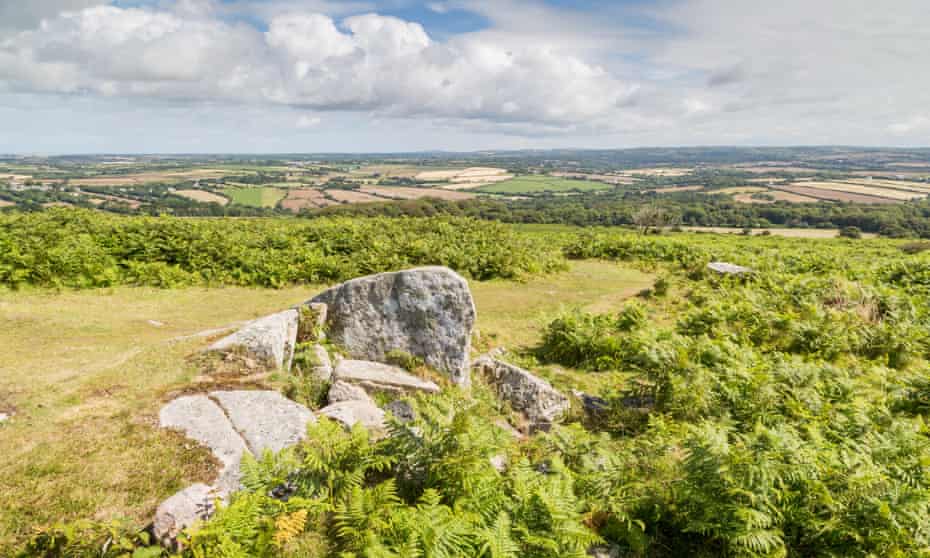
156	323
350	412
344	391
5	417
499	462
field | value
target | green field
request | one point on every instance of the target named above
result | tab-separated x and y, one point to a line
255	197
541	184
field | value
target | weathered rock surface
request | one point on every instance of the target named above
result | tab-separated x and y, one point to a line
728	268
202	420
427	312
324	366
181	511
526	393
270	340
350	412
265	419
375	376
230	424
344	391
611	551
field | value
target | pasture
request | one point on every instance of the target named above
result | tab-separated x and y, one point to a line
255	196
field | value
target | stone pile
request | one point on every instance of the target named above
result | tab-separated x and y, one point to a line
427	313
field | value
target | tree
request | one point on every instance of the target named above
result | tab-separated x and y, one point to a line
652	216
850	232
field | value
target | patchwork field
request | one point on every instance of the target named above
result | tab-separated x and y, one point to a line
673	189
659	171
895	184
255	197
788	233
202	196
542	184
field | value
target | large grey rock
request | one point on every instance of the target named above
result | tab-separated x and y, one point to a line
402	410
265	419
350	412
196	502
375	376
725	268
344	391
526	393
427	312
270	340
202	420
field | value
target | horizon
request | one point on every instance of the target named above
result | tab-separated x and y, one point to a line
401	76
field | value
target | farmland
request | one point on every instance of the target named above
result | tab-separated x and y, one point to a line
202	196
540	184
255	197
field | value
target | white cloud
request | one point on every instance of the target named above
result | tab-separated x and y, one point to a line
373	63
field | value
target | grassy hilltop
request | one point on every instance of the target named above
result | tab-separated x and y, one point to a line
778	414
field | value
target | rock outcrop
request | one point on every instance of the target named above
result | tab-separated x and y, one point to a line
378	377
426	312
526	393
230	424
269	340
323	367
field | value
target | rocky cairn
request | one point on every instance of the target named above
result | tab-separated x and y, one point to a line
426	312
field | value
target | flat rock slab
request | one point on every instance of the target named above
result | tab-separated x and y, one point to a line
270	340
351	412
344	391
526	393
426	312
728	268
374	376
202	420
265	419
323	369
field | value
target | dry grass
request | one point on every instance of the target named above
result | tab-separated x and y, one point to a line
86	373
5	203
876	191
789	233
831	195
404	193
352	196
202	196
308	198
659	171
896	184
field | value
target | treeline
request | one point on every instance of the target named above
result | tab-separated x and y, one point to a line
690	209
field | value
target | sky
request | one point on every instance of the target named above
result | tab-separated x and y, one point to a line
304	76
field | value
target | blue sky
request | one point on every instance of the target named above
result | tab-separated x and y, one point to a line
82	76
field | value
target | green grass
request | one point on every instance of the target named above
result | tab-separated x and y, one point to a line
541	184
255	197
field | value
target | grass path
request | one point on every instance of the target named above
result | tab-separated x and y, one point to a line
86	372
